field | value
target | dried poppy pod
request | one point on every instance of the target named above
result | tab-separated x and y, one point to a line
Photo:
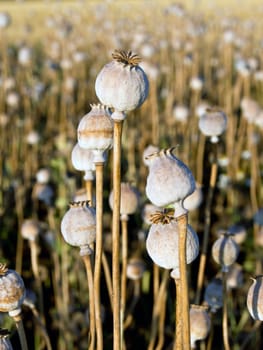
95	132
162	243
135	268
214	294
5	343
169	180
193	201
78	226
83	160
43	176
255	298
122	84
225	251
238	232
129	200
213	123
200	323
30	229
12	290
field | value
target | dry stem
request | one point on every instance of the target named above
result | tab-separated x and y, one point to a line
117	133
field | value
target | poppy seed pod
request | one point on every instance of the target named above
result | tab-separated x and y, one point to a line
200	323
30	229
148	151
255	298
83	160
213	123
214	294
122	83
78	225
162	243
135	268
169	179
225	251
148	210
5	343
95	131
129	199
12	290
193	201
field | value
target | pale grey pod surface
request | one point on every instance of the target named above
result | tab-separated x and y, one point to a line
129	199
78	225
162	244
12	290
213	122
255	298
200	324
95	129
121	86
135	268
225	251
195	199
30	229
169	179
82	159
214	294
5	343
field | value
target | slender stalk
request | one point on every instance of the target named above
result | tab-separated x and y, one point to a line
20	328
88	265
88	185
107	275
225	313
156	310
40	323
117	133
156	278
178	345
98	252
136	296
124	226
185	319
161	323
202	263
34	261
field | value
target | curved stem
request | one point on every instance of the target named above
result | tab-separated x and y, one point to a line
88	266
98	252
34	261
184	308
88	185
21	331
203	257
117	133
225	313
107	276
124	269
178	345
156	310
160	343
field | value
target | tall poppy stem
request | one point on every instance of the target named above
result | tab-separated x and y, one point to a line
117	133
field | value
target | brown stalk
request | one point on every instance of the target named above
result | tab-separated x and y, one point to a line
202	263
184	302
225	313
88	185
21	331
88	266
117	133
124	226
178	345
98	252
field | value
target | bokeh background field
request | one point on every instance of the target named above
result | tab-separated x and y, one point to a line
196	54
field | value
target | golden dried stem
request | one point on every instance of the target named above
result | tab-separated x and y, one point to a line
117	133
184	298
98	252
202	263
178	345
88	185
88	266
124	226
225	313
